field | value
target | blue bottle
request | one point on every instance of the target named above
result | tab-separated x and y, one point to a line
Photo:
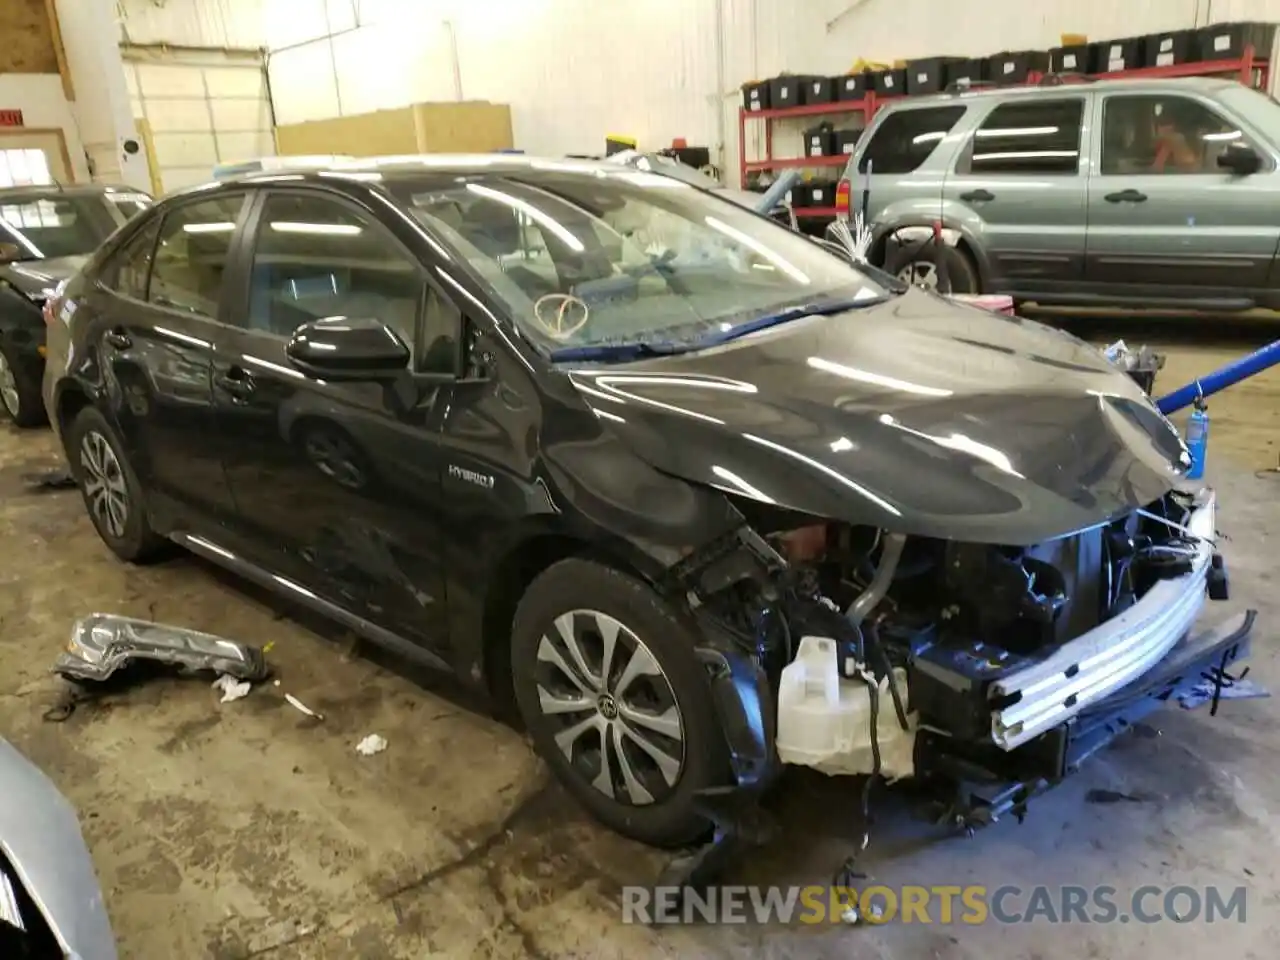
1198	439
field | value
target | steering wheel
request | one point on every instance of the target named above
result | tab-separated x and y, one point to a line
561	315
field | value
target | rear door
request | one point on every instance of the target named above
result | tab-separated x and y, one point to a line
1022	179
1164	219
155	324
892	178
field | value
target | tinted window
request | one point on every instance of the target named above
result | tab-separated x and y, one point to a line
130	265
1163	134
191	257
441	330
906	139
316	257
1038	138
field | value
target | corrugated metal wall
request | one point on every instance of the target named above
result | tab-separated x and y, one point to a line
574	70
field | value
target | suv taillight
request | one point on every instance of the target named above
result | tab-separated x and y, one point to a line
842	197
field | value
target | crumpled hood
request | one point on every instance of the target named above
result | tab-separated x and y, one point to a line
917	415
37	278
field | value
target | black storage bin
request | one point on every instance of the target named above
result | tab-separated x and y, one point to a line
1168	49
1112	56
1016	66
820	141
1073	59
966	71
929	75
846	141
889	83
817	90
755	96
814	193
1226	41
850	86
784	92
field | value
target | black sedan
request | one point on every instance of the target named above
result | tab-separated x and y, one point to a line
46	233
694	493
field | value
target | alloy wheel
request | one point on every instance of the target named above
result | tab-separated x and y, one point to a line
104	484
921	273
617	719
9	388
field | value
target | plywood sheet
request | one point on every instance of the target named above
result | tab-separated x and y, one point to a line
28	37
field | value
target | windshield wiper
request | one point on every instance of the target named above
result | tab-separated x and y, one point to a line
817	308
605	352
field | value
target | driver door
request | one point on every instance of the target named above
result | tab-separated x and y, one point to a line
336	485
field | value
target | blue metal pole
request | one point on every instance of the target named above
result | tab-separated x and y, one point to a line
1220	379
773	196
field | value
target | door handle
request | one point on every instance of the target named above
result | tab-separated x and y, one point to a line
1125	196
977	196
236	382
118	338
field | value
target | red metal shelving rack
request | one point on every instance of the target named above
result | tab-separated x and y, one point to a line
1249	70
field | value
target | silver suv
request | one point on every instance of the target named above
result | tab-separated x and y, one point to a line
1152	193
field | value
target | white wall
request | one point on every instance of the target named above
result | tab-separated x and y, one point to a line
574	70
40	98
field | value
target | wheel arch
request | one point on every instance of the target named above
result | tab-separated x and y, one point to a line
510	579
913	229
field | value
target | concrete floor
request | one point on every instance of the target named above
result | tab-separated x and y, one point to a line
247	830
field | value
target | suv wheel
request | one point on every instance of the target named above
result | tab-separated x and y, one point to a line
921	270
19	398
616	701
112	493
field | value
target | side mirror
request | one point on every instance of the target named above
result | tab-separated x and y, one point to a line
1240	160
343	348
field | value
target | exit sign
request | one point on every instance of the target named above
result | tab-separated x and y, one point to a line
11	118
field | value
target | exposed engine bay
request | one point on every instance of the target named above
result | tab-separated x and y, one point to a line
983	666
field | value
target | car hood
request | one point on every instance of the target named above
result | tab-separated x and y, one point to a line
37	278
40	838
916	415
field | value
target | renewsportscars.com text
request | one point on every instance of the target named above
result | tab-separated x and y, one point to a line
939	904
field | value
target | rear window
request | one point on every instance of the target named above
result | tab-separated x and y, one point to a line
906	139
1037	137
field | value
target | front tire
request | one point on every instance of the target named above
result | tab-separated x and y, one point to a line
19	397
616	702
113	495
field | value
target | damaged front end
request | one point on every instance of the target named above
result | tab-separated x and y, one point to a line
992	671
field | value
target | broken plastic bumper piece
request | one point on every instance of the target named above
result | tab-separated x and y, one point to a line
102	643
1109	657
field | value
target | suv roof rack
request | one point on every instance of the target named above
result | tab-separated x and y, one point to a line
1058	79
964	86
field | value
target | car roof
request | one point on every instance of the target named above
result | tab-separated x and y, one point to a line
1205	85
407	168
51	191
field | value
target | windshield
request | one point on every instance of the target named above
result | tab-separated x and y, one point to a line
627	257
41	228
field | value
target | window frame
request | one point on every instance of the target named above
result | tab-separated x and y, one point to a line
229	277
109	273
1249	137
964	161
251	227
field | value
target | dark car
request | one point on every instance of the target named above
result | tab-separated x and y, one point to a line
687	487
46	233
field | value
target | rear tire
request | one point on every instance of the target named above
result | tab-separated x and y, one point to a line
635	742
919	268
113	495
19	398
